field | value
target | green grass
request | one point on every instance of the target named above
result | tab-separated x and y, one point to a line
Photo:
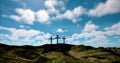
100	55
61	53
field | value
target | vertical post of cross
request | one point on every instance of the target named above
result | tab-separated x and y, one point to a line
64	39
51	39
57	37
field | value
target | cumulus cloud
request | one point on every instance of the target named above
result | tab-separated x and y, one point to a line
23	35
50	13
51	4
28	16
60	30
20	32
22	26
72	14
90	26
113	30
42	16
25	15
16	18
109	7
91	35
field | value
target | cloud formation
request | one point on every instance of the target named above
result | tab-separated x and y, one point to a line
51	12
72	15
91	34
60	30
109	7
25	37
26	15
42	16
113	30
51	4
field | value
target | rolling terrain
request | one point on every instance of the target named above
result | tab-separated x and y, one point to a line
58	53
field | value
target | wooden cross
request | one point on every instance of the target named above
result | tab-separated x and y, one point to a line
64	39
51	39
57	37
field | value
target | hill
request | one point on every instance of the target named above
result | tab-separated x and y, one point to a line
58	53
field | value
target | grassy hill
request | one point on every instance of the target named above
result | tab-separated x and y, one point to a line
58	53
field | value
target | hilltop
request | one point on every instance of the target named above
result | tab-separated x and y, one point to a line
58	53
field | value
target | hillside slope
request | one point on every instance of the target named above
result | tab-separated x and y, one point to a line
58	53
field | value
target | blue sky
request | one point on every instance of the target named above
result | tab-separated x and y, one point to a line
31	22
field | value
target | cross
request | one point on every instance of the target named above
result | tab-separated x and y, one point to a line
64	39
51	39
57	37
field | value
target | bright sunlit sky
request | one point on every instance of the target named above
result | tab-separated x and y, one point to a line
88	22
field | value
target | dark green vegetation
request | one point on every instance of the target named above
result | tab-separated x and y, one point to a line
58	53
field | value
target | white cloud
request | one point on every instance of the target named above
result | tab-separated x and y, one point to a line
22	26
16	18
91	35
16	33
99	38
72	14
51	4
50	13
110	7
19	10
28	16
60	30
42	16
69	14
28	36
113	30
90	26
43	38
25	15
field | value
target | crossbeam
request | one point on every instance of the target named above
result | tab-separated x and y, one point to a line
57	37
51	39
64	39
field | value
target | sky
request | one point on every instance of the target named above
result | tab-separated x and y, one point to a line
88	22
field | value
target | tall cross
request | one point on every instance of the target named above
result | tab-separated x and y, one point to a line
57	37
51	39
64	39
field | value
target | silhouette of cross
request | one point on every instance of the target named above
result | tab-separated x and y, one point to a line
57	37
64	39
51	39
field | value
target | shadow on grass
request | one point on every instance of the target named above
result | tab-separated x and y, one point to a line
40	59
